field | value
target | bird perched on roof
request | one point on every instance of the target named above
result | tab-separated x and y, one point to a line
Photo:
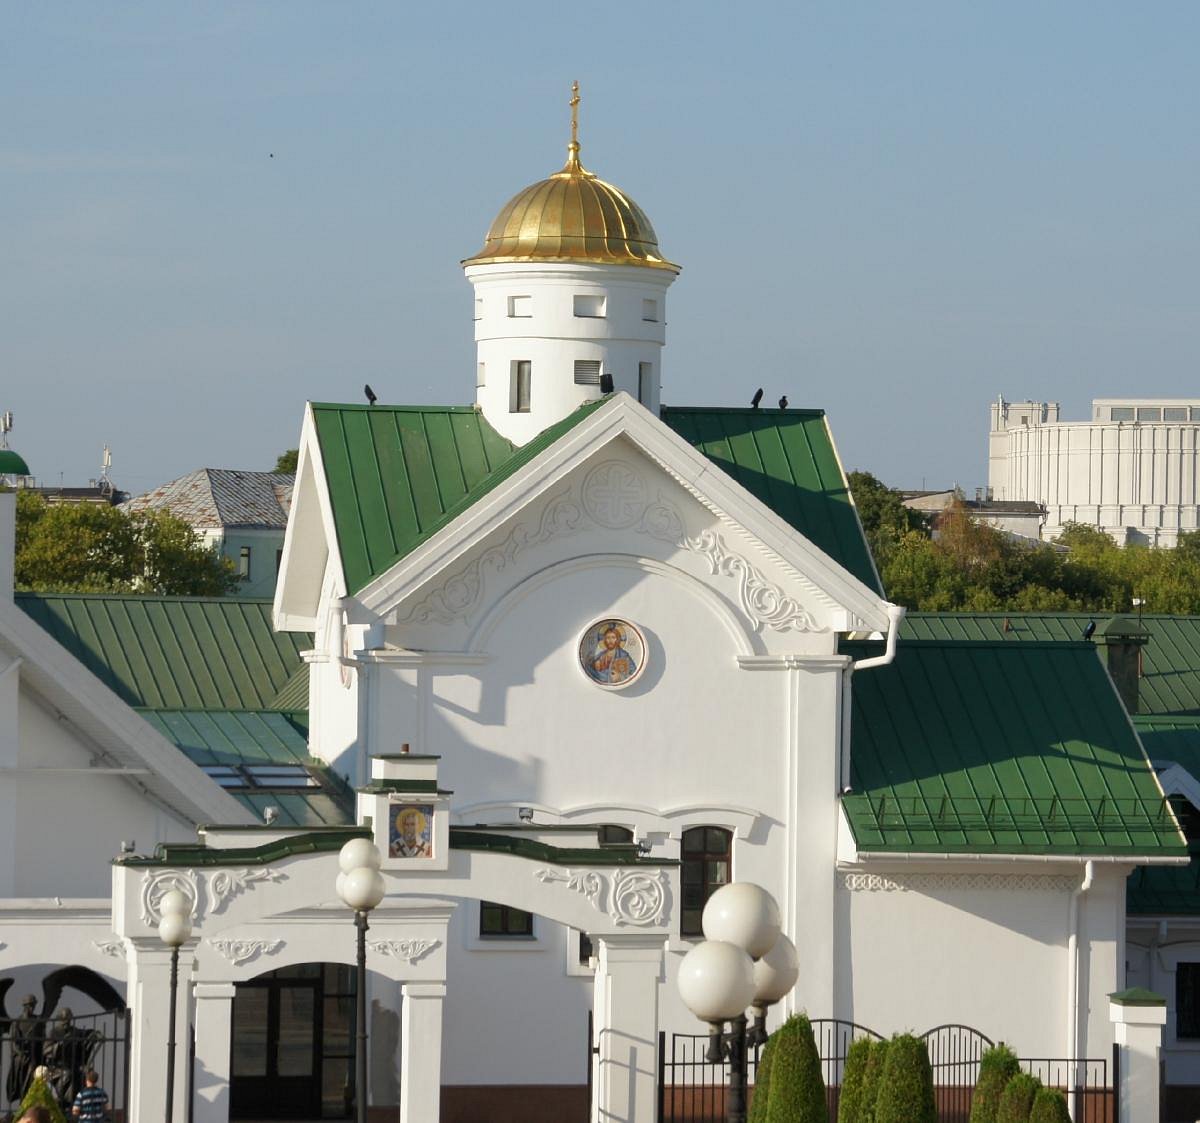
783	402
756	399
371	396
606	383
1089	630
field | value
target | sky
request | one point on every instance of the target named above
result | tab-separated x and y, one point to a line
210	213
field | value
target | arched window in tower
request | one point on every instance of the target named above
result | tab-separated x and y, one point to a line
705	865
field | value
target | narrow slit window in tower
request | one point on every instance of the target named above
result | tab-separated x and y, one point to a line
522	372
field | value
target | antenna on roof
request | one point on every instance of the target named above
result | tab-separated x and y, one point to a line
6	424
104	483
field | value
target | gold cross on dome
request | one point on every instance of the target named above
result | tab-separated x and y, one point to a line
574	103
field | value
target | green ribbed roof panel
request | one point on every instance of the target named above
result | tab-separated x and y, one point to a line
237	738
1170	682
175	652
399	474
12	463
1000	748
786	459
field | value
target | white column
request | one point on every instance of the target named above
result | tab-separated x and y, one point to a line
214	1041
625	1025
149	993
421	1052
1138	1017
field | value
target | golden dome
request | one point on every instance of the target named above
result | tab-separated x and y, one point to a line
572	216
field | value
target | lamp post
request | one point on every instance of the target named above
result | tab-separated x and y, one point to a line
743	962
360	885
174	928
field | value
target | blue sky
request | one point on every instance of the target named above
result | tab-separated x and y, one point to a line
894	211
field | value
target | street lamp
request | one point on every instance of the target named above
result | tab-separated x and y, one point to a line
743	961
174	929
360	885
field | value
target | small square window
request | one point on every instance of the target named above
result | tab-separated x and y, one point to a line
479	308
590	305
520	307
1175	413
1196	413
504	922
1149	413
587	372
1121	413
650	311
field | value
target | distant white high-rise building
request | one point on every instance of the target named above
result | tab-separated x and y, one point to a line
1133	470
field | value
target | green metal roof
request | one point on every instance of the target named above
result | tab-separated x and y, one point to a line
12	463
786	459
236	738
399	474
1170	682
183	652
1003	748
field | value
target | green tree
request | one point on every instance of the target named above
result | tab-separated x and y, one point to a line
1016	1101
40	1094
1049	1106
872	1080
762	1083
853	1074
93	548
997	1067
885	518
906	1086
797	1091
286	461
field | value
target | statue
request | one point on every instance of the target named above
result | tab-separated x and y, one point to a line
25	1034
68	1053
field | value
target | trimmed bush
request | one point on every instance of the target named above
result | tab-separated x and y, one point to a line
40	1094
762	1082
1049	1106
797	1092
1016	1101
997	1067
906	1086
872	1078
858	1056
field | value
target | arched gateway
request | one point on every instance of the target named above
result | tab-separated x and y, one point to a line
264	907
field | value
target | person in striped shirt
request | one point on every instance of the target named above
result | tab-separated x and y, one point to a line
91	1105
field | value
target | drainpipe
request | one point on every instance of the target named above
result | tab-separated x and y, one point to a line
895	615
1089	870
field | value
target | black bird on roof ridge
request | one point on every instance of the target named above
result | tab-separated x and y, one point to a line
371	396
757	398
783	402
1089	630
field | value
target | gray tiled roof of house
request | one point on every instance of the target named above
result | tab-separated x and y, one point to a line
222	497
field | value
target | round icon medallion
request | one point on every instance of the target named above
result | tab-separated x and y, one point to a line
612	653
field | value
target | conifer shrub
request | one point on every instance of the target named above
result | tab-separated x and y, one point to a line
1049	1106
997	1067
1016	1101
796	1092
872	1078
906	1084
858	1056
762	1082
40	1094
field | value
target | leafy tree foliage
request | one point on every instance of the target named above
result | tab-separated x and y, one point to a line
762	1082
1049	1106
1016	1101
797	1091
997	1067
92	548
872	1080
961	565
286	461
906	1086
850	1100
40	1094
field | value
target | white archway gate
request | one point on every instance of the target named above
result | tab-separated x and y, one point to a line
264	898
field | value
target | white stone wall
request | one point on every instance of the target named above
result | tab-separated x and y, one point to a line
528	312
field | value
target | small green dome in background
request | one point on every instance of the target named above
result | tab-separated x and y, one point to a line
11	464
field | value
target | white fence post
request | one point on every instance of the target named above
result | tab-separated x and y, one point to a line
1138	1017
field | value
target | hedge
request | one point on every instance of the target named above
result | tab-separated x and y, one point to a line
906	1086
858	1056
1016	1102
762	1082
796	1093
1049	1106
997	1067
872	1078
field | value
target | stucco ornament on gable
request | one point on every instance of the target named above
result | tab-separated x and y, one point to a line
244	951
410	950
614	496
155	886
114	947
943	882
227	884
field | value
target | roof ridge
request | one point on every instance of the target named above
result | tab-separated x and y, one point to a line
154	597
797	411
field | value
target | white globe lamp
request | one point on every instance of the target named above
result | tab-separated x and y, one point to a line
744	914
716	981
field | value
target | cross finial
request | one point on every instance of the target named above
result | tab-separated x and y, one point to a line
573	147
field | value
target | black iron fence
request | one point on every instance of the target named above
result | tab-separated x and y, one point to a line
691	1089
65	1047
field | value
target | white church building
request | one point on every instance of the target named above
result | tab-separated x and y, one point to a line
574	659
